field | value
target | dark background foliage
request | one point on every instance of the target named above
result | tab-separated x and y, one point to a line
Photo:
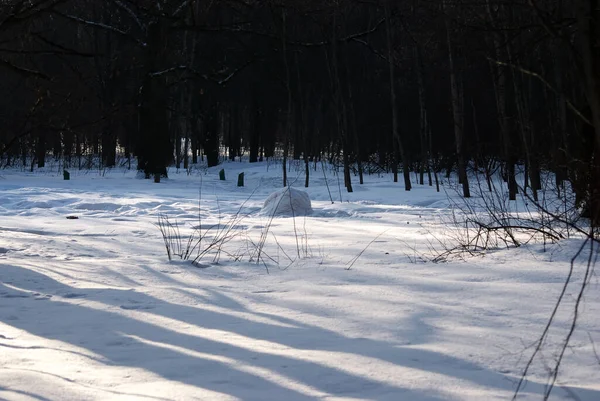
406	85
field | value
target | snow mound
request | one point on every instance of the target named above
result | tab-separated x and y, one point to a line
287	202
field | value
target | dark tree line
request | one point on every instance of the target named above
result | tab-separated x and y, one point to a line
407	86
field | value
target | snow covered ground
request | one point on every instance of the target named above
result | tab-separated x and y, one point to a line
91	308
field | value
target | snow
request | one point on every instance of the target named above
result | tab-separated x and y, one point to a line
91	309
287	201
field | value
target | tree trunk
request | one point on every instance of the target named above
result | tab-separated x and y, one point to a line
255	130
109	147
499	72
186	150
288	87
178	128
40	151
588	22
211	138
561	148
352	117
155	147
531	167
339	104
398	148
424	121
78	150
457	114
303	122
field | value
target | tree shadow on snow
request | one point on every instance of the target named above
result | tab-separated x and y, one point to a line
122	334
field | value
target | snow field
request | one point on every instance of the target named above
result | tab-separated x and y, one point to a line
90	309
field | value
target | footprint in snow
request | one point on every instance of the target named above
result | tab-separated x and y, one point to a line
74	295
136	307
116	343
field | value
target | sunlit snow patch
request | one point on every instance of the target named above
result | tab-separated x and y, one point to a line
287	202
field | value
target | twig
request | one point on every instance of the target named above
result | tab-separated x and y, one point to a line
363	251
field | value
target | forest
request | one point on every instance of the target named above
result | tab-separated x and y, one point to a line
443	246
419	88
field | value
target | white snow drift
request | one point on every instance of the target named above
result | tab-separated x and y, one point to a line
287	201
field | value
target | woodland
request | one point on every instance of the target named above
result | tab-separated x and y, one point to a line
419	88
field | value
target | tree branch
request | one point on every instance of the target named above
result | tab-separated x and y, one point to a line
99	25
548	85
22	70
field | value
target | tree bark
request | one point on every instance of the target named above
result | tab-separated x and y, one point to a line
499	80
424	121
398	148
339	103
155	147
457	115
288	87
588	22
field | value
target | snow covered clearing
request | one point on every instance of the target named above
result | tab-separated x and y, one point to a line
91	308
